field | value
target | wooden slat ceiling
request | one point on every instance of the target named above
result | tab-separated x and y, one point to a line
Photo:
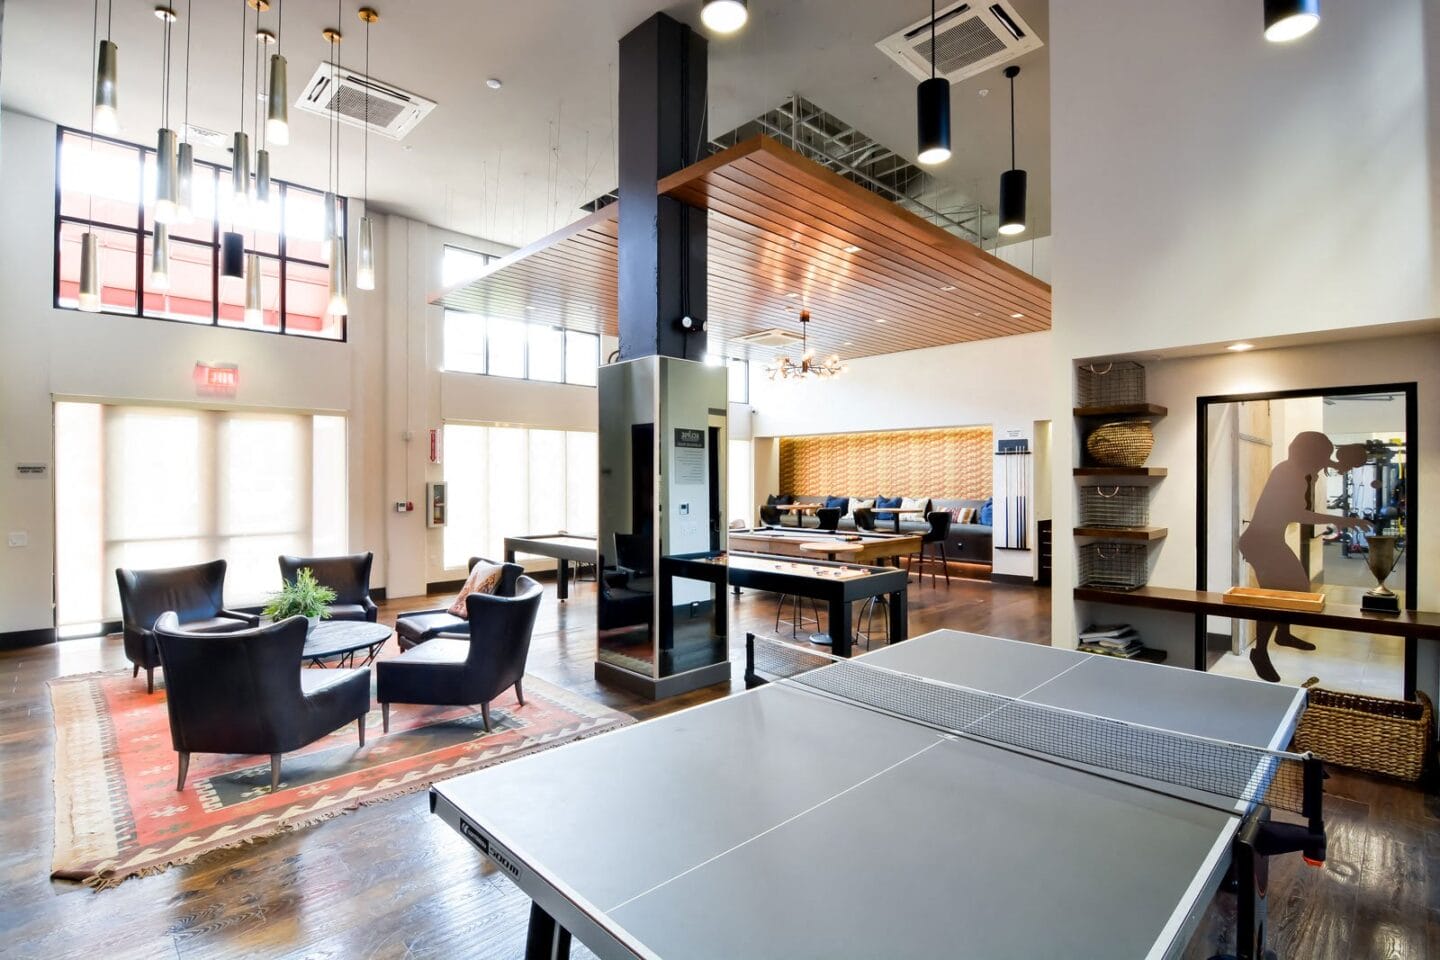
779	229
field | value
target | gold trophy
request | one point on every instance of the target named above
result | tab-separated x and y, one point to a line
1381	559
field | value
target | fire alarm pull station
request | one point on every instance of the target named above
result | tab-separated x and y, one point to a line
435	504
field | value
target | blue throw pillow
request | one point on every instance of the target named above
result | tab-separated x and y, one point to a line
887	502
843	503
987	514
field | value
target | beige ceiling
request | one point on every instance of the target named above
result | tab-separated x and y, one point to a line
514	164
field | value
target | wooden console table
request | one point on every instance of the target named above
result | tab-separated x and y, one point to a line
1413	625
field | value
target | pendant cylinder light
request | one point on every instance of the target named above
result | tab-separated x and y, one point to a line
1012	181
184	183
932	110
167	178
262	176
160	258
331	220
1287	20
338	305
932	107
365	260
232	256
254	315
240	168
724	16
277	110
107	117
89	273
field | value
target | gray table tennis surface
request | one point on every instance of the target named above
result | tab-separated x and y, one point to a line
784	823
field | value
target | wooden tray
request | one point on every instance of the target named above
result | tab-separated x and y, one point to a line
1275	599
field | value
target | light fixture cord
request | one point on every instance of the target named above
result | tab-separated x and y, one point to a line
259	83
365	177
94	55
165	72
932	39
279	24
189	19
1012	122
244	18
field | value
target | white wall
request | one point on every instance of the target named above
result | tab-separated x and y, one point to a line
986	383
1209	186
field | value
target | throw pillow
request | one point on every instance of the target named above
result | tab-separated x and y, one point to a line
962	514
987	514
843	503
861	505
485	578
914	503
887	502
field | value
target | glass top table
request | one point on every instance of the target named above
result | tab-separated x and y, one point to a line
341	640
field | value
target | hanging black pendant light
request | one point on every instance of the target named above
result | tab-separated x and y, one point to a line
1012	181
1287	20
932	110
232	255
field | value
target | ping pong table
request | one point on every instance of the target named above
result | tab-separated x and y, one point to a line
810	817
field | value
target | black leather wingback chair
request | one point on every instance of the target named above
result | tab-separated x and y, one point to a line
348	576
864	518
450	672
828	518
936	536
414	627
769	515
247	693
195	594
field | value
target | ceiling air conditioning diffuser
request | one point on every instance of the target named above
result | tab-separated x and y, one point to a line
970	38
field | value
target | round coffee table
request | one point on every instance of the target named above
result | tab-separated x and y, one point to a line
340	640
831	548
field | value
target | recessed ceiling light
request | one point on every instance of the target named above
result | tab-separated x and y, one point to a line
947	288
1017	316
494	83
848	343
791	296
852	249
1240	347
879	319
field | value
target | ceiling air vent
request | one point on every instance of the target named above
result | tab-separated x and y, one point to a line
774	337
393	112
970	38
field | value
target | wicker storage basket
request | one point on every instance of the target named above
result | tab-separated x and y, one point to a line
1392	737
1123	443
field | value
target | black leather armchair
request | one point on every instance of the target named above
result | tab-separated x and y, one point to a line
415	627
828	518
348	576
247	693
194	594
451	672
769	515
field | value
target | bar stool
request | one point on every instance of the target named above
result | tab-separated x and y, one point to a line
937	534
866	616
798	619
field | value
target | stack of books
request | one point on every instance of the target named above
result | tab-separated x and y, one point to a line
1114	640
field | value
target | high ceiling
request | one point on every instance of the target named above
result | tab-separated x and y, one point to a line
516	163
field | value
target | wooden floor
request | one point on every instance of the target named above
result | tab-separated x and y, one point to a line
391	881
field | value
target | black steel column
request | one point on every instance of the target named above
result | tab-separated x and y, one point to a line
662	241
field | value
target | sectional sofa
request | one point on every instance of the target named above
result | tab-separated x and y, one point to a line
968	542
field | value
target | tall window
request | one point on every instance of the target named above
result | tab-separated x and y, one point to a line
738	384
109	187
511	481
475	343
458	265
740	485
140	486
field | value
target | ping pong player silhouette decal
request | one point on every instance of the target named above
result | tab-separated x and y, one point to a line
1288	498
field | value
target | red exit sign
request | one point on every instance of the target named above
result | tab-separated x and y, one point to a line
217	379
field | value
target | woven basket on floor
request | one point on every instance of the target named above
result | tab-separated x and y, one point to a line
1123	443
1368	733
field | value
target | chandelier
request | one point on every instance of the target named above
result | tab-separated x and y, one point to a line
784	368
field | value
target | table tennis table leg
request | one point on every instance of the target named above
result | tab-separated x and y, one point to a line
562	579
546	939
899	616
840	634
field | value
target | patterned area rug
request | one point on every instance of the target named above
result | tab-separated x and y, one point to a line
117	813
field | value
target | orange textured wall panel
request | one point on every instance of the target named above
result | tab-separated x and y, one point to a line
950	463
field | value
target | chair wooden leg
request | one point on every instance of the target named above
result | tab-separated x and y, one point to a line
149	679
385	718
360	726
184	770
519	693
274	772
485	715
945	561
136	671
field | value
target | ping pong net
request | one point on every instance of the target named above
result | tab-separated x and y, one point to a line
1228	776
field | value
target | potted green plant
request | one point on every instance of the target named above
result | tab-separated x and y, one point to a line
305	597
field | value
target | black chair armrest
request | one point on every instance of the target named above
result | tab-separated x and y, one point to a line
421	613
249	619
372	612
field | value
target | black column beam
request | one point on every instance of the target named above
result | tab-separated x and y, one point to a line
662	241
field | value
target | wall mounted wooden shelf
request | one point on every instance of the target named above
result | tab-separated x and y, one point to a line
1122	533
1123	410
1131	472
